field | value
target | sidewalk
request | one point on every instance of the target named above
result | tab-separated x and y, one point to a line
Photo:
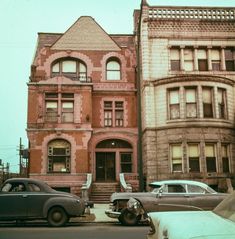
97	214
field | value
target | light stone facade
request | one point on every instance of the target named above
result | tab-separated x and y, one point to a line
199	31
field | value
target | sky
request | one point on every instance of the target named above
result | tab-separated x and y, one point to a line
21	20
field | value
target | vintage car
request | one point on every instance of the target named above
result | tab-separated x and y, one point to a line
27	199
168	195
216	224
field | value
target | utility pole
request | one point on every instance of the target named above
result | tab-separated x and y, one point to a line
20	155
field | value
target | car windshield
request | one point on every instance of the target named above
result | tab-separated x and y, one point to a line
226	208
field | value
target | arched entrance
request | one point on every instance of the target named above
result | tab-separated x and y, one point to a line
109	156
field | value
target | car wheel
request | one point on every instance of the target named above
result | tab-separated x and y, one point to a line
128	218
57	217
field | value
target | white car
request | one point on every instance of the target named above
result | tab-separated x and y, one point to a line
216	224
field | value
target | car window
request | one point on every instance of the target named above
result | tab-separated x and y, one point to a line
196	189
174	188
14	187
33	187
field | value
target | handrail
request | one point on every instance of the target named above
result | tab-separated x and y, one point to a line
126	186
86	187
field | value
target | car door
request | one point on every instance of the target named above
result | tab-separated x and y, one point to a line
202	199
173	197
13	201
37	198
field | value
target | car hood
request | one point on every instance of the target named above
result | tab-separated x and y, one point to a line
192	225
127	195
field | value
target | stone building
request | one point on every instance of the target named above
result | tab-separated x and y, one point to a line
187	74
82	107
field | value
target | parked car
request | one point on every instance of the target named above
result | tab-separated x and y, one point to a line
216	224
168	195
27	199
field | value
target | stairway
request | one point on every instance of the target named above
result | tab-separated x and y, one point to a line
101	192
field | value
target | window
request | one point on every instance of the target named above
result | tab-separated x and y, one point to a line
210	157
174	188
59	156
215	60
191	103
175	59
193	158
55	101
202	60
188	59
113	111
176	158
71	68
119	113
207	102
222	103
67	111
225	158
196	189
51	111
229	59
174	105
126	162
113	70
108	108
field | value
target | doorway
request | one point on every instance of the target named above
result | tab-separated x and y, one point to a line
105	166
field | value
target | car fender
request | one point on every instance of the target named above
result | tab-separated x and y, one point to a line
64	202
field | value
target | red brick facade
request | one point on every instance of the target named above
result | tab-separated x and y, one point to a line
78	120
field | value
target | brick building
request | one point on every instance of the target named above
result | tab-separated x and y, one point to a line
187	74
82	107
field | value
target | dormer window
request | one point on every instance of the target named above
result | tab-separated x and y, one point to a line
71	68
113	70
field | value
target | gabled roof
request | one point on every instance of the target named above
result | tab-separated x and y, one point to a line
85	34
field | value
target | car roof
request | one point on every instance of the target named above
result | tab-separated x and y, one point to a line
24	180
160	183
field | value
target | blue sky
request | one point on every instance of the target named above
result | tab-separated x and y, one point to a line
21	20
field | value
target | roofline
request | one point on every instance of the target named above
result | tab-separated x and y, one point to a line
188	7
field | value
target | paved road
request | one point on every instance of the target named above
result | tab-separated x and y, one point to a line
72	231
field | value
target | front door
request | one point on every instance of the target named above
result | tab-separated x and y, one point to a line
105	166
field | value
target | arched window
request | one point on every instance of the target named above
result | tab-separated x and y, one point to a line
59	156
113	70
71	68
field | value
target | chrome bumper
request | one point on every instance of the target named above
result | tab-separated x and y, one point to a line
112	214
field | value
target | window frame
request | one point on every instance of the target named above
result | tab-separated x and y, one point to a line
205	104
52	156
175	61
215	166
109	71
59	99
77	74
187	116
194	158
222	108
173	106
111	112
228	166
126	163
175	158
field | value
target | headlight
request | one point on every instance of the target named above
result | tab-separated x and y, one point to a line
133	204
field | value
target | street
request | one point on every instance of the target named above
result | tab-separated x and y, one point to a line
32	230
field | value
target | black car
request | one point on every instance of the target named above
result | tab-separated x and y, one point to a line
28	199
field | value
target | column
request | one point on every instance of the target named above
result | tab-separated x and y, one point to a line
195	62
223	65
182	58
209	63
